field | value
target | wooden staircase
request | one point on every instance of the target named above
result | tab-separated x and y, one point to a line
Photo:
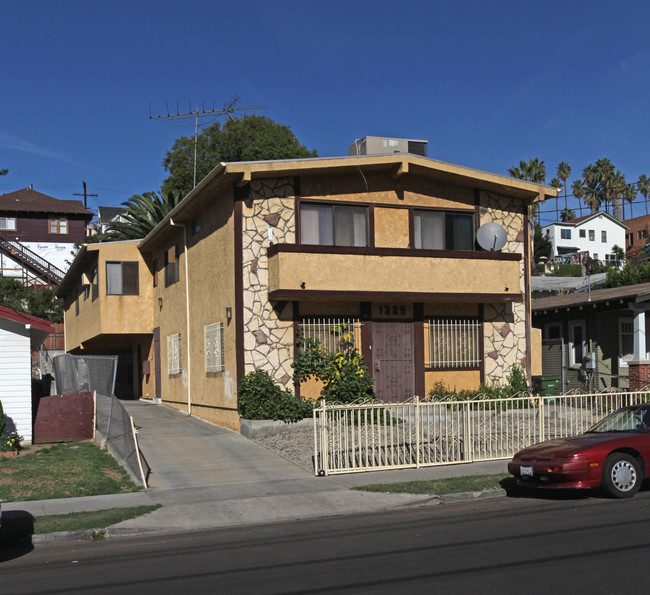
30	261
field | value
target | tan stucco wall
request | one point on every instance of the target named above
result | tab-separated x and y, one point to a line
536	352
111	314
209	395
455	380
391	228
356	272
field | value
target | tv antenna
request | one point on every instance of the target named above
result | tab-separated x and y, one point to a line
228	110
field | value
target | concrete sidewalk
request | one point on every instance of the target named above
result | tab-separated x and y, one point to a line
206	476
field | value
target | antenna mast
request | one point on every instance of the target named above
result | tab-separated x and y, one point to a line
227	110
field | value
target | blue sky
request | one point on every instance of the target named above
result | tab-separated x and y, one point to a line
487	83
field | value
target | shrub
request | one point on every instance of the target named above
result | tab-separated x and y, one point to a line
3	419
259	397
516	383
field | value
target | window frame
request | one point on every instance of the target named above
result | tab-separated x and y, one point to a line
582	233
565	233
603	236
6	219
59	223
130	291
172	267
592	235
573	324
548	327
174	355
334	208
214	359
418	238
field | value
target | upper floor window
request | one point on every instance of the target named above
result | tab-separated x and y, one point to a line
8	223
565	234
583	233
603	236
58	225
439	230
122	278
94	284
592	235
334	225
171	265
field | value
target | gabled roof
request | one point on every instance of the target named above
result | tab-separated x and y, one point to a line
581	220
22	318
29	200
225	175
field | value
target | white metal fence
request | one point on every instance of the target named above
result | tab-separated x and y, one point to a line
375	436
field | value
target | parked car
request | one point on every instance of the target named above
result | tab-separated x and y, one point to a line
613	455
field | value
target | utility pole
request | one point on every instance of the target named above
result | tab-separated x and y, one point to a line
227	110
85	195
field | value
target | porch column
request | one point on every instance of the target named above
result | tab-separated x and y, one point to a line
639	366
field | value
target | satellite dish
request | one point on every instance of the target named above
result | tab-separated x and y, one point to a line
491	236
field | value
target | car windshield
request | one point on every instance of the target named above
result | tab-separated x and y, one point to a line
628	419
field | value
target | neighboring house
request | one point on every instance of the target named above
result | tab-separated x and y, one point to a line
20	334
262	252
636	236
542	286
108	305
37	233
609	323
595	234
106	216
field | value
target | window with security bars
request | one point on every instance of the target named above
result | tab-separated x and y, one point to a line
174	354
452	343
332	333
213	342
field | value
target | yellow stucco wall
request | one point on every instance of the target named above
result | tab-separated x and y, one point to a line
391	228
357	272
456	380
209	395
110	314
536	352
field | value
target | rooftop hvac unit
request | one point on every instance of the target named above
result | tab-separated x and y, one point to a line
379	145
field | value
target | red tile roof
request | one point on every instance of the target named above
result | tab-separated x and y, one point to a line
28	200
23	318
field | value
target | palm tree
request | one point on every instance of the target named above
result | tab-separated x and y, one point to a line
563	172
557	183
143	213
629	194
532	170
643	186
567	214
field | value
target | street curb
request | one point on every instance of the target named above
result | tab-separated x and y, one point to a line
108	533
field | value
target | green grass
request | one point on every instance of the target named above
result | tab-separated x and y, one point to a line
441	487
65	470
19	529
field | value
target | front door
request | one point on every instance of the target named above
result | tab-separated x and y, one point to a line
392	361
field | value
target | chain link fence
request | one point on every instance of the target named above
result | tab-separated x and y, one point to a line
75	373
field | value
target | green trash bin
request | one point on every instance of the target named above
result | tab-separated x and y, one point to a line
549	385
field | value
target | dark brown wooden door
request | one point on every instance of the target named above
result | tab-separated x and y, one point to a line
156	361
392	361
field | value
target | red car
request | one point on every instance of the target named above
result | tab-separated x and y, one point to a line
613	455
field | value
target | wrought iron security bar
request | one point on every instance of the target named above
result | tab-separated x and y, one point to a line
453	343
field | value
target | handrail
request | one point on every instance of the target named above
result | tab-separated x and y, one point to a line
27	256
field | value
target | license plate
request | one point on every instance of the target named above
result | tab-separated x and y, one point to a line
526	470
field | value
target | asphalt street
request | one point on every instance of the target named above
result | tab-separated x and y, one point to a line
562	543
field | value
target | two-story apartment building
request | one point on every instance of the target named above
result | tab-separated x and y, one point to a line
261	253
596	234
37	234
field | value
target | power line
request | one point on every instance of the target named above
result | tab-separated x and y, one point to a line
85	195
228	109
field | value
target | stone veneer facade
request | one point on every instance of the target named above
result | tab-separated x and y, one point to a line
504	328
268	218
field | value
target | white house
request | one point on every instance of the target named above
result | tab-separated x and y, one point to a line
20	334
596	234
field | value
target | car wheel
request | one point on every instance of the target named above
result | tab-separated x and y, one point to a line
621	475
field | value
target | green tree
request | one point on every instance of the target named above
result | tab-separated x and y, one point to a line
4	172
567	214
557	183
143	213
532	170
37	302
251	138
563	172
542	243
